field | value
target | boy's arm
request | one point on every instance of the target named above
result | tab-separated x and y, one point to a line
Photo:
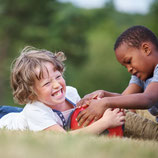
86	115
95	95
133	101
131	89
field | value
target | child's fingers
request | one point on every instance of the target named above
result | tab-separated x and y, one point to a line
109	109
116	110
120	114
122	110
121	123
122	118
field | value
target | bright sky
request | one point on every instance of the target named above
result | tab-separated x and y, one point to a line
131	6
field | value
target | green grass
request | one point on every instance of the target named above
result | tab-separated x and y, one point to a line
16	144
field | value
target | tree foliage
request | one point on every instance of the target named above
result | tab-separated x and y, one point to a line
86	36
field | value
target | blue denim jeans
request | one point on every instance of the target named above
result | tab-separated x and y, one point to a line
5	109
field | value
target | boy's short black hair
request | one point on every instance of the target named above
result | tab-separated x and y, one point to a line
135	36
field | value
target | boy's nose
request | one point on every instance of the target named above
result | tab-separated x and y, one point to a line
130	69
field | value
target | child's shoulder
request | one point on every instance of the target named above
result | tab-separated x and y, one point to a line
156	69
155	74
70	89
72	94
36	106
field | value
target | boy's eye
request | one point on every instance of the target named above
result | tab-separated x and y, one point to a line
128	61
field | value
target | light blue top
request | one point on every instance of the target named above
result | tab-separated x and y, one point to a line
143	84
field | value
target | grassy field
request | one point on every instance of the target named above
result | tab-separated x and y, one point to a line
16	144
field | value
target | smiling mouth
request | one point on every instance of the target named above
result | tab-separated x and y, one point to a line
57	93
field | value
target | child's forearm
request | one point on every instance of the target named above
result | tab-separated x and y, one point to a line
95	128
132	101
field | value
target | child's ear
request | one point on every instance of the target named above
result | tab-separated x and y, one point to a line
146	48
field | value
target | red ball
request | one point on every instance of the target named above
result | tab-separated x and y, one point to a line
116	131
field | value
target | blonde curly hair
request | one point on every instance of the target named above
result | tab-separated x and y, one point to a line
23	72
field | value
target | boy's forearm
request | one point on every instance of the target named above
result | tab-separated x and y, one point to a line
132	101
110	94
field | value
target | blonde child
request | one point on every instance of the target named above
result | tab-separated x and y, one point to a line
37	81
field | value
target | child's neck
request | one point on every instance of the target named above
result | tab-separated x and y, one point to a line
63	107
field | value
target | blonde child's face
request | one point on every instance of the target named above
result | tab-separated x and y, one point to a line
135	60
51	88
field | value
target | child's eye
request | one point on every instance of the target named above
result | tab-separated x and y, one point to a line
47	83
59	76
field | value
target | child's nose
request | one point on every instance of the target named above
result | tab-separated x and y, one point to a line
55	84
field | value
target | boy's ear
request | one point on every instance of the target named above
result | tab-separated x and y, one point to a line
146	48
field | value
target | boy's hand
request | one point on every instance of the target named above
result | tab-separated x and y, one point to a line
92	112
85	101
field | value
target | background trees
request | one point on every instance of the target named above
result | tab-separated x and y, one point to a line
86	36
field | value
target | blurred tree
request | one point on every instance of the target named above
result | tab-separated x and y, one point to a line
22	22
67	32
86	36
152	17
101	70
44	24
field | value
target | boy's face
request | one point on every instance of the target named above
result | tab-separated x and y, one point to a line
135	60
51	88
